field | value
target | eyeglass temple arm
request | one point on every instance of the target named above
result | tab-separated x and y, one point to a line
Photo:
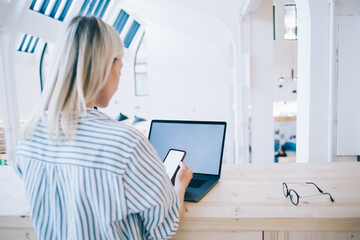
316	187
332	200
330	196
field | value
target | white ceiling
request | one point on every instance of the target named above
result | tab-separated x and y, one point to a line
226	11
207	19
6	3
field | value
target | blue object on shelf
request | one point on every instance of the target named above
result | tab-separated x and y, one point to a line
138	119
122	117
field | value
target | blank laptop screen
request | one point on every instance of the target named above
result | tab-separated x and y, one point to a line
202	141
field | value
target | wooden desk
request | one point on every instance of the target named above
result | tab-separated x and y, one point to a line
250	198
247	203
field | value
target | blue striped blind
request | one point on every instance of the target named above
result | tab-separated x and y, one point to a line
28	43
35	44
131	33
94	7
56	9
121	21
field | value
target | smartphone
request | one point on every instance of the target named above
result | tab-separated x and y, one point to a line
171	162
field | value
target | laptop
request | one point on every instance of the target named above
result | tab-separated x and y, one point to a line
203	142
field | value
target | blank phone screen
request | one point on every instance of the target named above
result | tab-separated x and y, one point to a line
172	161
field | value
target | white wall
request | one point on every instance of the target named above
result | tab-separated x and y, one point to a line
189	70
348	117
27	82
187	80
262	57
313	83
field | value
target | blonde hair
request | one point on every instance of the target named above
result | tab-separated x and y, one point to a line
80	67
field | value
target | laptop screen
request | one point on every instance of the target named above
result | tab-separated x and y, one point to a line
202	141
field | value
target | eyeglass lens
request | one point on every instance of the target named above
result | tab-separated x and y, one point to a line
293	197
285	190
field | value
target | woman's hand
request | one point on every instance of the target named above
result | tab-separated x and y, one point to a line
182	180
183	176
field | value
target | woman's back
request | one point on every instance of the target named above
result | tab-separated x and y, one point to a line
107	182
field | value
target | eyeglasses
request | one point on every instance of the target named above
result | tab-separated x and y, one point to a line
294	196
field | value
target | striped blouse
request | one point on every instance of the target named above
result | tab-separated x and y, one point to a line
106	183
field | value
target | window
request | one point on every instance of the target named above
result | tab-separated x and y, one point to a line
131	34
44	63
141	77
56	9
94	7
121	21
290	21
140	72
28	43
274	29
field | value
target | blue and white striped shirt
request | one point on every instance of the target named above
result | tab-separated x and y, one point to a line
106	183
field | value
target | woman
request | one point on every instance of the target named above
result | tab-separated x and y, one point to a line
87	176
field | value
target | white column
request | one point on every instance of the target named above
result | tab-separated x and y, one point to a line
303	98
8	96
262	94
332	76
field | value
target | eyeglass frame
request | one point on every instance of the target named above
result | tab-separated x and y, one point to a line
287	193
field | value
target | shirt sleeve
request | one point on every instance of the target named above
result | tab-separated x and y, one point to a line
16	166
149	193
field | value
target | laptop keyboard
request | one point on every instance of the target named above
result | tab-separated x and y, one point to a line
196	182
